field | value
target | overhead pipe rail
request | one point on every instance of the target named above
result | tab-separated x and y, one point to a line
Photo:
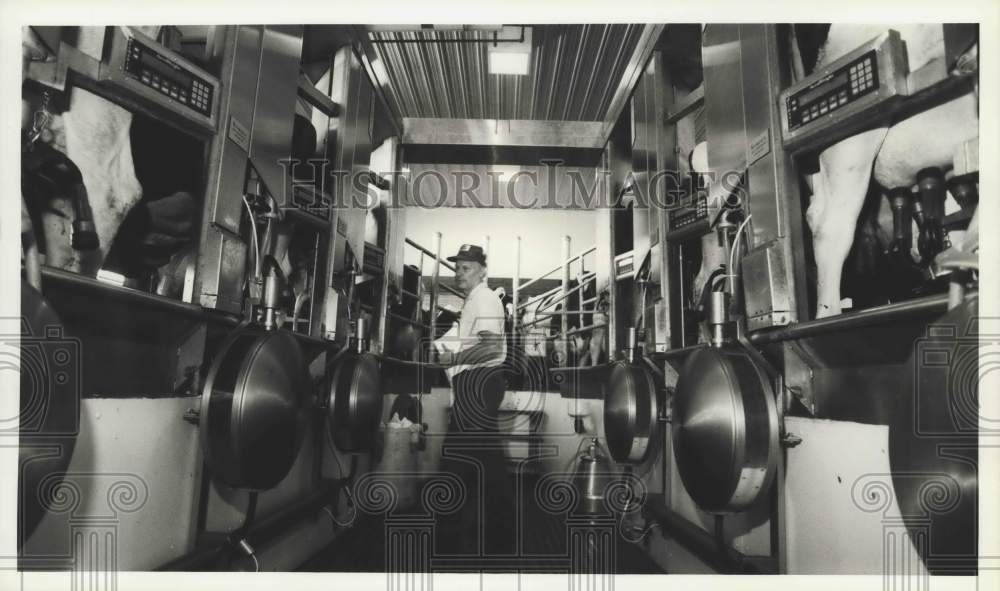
563	290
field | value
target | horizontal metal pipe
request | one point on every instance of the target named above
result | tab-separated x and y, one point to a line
451	289
268	528
582	285
566	262
419	247
534	322
539	278
937	304
398	361
402	318
576	331
698	541
429	253
681	352
561	265
258	534
72	280
534	299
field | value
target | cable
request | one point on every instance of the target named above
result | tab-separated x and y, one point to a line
621	525
621	519
256	246
732	254
349	523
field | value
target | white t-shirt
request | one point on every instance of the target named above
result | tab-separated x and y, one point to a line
481	311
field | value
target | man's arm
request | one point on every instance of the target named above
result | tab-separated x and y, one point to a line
487	348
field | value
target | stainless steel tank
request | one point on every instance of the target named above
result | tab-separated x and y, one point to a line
725	429
255	405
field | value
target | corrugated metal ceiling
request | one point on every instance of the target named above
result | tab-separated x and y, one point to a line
573	74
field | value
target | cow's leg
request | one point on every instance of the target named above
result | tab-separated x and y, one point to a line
839	190
597	342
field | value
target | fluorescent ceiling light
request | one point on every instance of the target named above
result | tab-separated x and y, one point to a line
511	54
508	63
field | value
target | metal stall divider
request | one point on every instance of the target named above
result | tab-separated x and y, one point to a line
566	375
406	376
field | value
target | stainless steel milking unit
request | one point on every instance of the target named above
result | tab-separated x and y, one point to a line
293	188
763	359
91	324
250	320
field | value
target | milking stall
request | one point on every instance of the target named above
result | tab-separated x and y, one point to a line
586	300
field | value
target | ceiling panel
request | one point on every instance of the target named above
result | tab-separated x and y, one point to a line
573	74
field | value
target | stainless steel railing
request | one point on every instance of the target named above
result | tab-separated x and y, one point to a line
561	293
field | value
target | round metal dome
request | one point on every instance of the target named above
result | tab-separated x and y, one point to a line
355	402
725	429
254	408
630	413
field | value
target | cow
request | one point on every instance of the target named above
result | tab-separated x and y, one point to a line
586	347
597	342
89	144
891	154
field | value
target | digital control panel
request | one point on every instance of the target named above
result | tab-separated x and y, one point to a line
833	91
688	220
145	64
624	266
687	216
857	90
309	200
145	76
374	260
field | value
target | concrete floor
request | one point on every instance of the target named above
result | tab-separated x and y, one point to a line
550	543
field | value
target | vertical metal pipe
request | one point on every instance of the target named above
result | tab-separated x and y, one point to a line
516	288
565	288
434	283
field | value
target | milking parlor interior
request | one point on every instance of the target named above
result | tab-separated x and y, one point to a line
577	299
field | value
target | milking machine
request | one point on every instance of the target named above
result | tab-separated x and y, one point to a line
80	320
166	93
761	359
872	86
274	282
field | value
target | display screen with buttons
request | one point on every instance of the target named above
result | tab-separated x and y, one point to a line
686	216
840	88
144	64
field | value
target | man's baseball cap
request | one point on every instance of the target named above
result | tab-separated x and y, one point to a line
470	252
